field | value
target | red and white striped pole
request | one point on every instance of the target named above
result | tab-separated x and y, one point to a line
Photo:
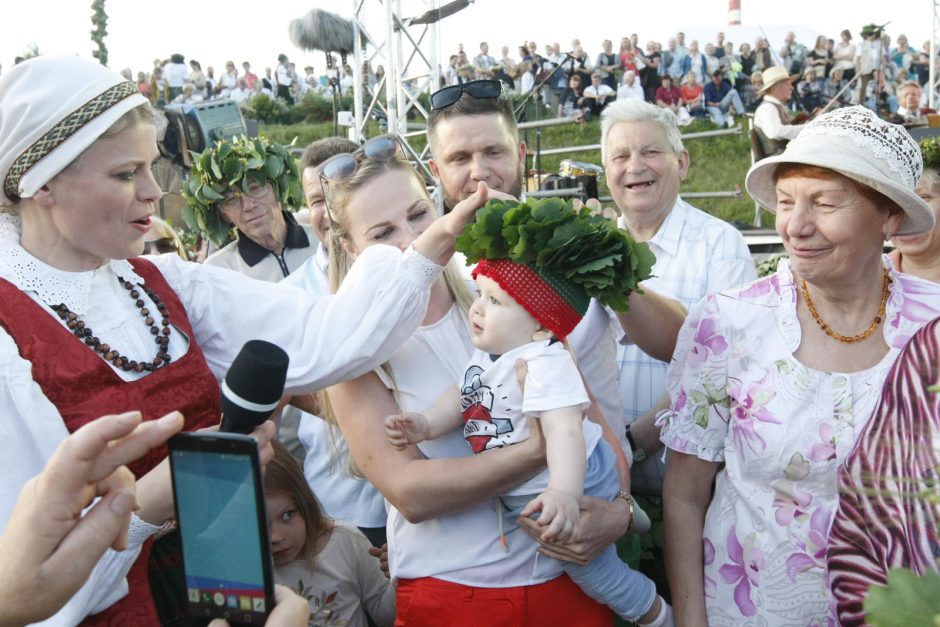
734	12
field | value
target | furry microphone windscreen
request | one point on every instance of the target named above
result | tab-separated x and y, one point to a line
322	30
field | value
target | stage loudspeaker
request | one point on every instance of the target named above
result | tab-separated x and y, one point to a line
209	122
201	126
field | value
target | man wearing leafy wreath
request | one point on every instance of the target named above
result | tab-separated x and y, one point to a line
247	188
539	264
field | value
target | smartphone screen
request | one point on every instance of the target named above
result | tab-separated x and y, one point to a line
223	526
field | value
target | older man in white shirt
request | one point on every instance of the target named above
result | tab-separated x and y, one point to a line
630	88
696	254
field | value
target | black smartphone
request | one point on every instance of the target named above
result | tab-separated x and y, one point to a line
223	526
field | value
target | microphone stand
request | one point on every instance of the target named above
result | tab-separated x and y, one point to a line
538	86
521	116
333	81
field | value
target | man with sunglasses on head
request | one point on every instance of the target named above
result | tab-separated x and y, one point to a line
473	137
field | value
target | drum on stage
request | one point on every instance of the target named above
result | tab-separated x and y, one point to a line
584	173
567	167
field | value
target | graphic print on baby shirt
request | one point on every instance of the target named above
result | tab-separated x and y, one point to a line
481	429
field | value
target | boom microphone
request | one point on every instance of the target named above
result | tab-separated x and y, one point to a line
322	30
253	386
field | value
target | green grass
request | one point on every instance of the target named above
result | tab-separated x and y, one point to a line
717	163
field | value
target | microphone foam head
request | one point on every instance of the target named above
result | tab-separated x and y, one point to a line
255	382
322	30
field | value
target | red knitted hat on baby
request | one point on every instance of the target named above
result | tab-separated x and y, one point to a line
553	259
556	303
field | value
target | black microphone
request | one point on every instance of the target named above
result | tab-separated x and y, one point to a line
322	30
253	386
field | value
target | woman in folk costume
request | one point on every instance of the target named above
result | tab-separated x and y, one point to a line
89	328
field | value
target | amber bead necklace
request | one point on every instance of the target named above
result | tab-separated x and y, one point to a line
848	339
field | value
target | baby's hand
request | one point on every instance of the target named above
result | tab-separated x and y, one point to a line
560	513
404	429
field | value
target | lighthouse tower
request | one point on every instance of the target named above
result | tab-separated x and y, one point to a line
734	12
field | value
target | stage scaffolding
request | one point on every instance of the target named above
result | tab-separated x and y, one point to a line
403	38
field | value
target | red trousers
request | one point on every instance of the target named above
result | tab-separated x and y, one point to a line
430	602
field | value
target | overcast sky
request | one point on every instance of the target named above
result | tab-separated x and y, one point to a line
213	31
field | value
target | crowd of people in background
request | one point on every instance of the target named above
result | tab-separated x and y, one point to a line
578	83
766	393
677	76
176	81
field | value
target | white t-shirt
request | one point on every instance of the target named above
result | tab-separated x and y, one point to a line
175	74
601	92
463	547
495	409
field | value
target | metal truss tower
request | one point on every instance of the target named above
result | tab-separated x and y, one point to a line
402	37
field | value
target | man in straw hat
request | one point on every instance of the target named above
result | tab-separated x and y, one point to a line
771	119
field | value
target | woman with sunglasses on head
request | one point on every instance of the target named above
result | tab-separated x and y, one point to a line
445	550
79	332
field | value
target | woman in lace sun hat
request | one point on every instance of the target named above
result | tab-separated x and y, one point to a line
773	382
857	144
89	328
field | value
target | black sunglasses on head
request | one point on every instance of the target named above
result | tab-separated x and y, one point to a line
443	98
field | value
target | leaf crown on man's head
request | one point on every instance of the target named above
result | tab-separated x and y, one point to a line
235	164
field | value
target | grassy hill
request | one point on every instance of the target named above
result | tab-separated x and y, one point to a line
717	163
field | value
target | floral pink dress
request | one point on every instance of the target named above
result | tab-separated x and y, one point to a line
782	430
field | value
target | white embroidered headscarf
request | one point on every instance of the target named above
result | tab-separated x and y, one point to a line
51	109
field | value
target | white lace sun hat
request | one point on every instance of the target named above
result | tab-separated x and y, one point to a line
855	143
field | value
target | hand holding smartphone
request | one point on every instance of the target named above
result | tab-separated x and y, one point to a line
220	511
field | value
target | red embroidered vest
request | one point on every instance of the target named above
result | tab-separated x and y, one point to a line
83	387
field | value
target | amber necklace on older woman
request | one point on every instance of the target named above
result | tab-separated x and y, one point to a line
849	339
161	337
